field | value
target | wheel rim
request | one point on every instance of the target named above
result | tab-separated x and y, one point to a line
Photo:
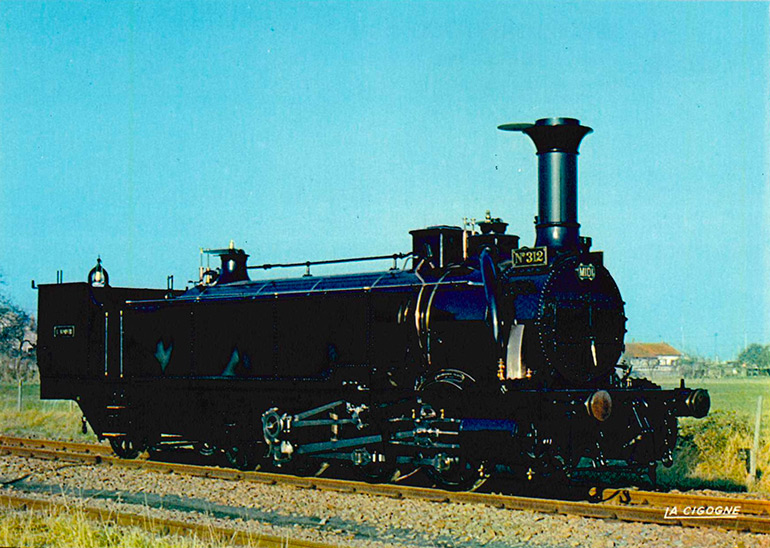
465	476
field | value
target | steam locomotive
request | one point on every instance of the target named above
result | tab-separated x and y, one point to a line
476	355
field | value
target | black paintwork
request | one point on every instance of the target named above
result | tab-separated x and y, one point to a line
411	364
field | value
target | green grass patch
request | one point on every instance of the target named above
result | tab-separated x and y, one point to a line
713	452
737	395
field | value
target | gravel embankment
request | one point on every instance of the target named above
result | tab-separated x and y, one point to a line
349	520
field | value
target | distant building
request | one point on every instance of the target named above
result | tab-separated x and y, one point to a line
647	358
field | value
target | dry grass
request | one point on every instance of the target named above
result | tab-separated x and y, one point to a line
713	453
52	419
71	527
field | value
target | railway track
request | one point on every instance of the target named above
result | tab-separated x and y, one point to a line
729	513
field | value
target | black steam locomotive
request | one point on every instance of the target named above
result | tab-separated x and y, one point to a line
481	355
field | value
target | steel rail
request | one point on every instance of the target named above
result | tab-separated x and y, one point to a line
618	504
79	447
757	507
207	532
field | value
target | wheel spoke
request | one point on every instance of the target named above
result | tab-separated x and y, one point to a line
126	448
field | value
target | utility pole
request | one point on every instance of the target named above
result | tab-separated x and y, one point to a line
755	447
20	374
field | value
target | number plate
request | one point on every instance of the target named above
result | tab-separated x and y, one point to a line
586	272
66	331
530	256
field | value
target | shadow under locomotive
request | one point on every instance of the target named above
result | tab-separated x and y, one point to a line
481	355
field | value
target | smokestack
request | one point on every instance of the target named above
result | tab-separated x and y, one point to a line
557	141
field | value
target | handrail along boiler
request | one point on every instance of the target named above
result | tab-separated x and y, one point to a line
481	355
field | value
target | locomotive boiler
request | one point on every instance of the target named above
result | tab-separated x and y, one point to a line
476	355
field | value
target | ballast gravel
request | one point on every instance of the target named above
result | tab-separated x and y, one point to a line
341	518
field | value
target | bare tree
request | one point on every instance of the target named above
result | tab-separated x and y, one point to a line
17	342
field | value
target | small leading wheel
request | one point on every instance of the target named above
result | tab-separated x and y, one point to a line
462	475
378	473
304	466
126	448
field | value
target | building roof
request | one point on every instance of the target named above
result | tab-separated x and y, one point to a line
650	350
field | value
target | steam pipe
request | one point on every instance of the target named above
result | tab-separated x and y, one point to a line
557	141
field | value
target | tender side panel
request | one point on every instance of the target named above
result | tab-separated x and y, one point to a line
157	340
70	337
267	338
79	336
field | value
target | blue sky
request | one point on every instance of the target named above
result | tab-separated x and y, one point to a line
142	131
